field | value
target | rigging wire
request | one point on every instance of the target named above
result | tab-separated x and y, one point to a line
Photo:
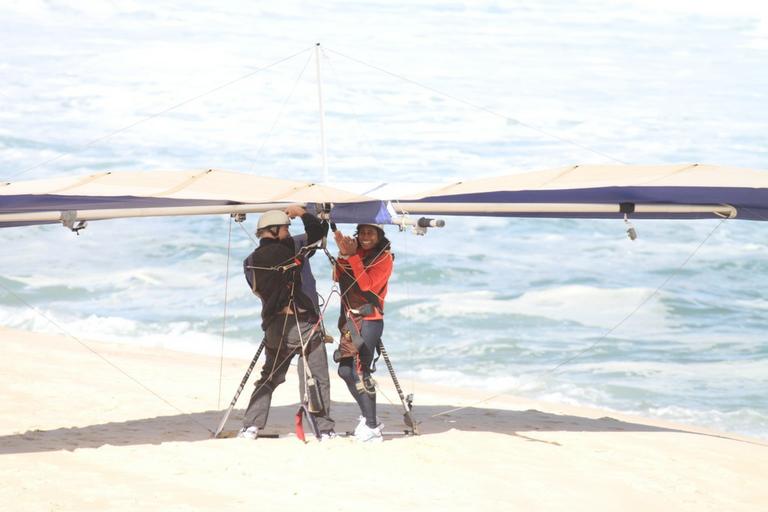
400	77
317	327
255	242
409	332
334	265
755	213
607	333
290	354
280	112
66	333
642	303
479	107
224	319
361	130
157	395
217	88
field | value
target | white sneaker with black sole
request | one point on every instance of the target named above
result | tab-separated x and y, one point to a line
328	436
248	433
360	423
366	434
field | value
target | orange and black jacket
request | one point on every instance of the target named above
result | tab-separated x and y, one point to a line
276	287
363	279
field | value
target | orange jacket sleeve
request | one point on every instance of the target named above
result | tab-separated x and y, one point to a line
375	277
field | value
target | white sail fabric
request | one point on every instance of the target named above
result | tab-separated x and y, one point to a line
131	194
600	191
204	185
589	191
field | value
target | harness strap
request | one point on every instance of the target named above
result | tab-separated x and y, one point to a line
278	268
370	296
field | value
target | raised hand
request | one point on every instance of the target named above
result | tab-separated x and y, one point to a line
294	211
347	245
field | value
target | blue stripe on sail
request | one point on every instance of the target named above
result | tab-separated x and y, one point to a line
27	203
374	212
750	203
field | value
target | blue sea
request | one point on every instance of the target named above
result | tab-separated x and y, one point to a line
672	325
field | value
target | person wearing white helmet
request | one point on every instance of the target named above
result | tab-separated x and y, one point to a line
363	269
279	273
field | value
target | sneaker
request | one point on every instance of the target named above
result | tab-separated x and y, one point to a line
360	424
328	436
248	433
366	434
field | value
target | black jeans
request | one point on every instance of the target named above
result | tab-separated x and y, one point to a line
370	330
282	344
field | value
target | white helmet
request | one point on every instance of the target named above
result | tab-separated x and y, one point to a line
378	226
273	218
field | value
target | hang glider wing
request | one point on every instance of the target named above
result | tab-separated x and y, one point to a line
590	191
604	191
161	193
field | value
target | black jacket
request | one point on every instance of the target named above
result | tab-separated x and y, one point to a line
276	286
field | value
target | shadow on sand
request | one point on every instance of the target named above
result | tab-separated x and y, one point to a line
199	426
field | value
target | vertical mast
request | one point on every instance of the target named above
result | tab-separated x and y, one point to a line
322	114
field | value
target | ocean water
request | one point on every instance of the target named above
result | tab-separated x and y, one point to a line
671	325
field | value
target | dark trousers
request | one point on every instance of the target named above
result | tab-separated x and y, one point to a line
283	342
370	331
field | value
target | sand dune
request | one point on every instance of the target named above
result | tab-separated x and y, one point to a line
120	427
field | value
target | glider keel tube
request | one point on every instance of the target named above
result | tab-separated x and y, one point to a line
596	210
69	216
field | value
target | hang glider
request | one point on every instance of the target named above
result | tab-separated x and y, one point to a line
604	191
111	195
590	191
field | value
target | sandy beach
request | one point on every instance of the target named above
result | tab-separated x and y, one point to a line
78	432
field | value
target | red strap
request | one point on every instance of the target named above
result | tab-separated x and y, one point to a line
298	421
